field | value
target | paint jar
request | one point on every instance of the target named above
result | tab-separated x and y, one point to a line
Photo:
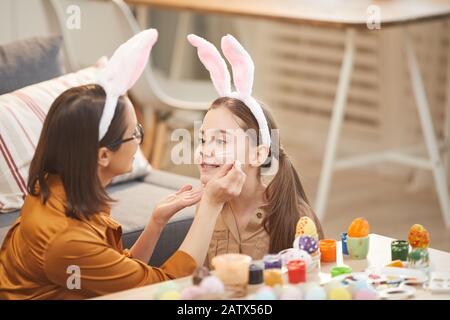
233	270
296	271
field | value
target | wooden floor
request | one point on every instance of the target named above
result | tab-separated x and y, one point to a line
387	201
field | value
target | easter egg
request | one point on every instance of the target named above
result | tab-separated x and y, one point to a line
307	243
291	293
306	227
316	293
265	293
358	228
418	237
212	285
170	295
340	294
365	294
192	293
199	274
329	286
278	289
396	264
419	258
359	285
168	286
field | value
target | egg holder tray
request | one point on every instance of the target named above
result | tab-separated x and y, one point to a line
390	283
439	282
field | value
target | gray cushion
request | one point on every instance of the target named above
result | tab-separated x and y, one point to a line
135	202
6	220
133	210
169	180
29	61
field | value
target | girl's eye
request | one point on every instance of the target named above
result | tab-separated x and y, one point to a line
201	140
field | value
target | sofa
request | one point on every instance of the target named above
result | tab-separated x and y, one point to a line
135	201
136	196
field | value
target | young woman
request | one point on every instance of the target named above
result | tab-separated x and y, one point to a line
89	136
263	217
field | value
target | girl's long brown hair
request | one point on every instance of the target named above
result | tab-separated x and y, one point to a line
287	200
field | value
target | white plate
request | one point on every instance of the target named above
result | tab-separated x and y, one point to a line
439	282
409	276
400	293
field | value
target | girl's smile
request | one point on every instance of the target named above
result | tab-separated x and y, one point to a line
208	166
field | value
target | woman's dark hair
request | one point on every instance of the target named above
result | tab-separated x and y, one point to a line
287	200
68	147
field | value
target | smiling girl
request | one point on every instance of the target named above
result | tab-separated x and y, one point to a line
263	217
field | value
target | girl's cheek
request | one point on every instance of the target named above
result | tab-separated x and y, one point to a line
225	153
224	157
241	154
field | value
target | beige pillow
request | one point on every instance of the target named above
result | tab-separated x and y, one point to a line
22	114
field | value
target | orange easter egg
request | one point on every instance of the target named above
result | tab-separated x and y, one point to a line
396	264
418	237
358	228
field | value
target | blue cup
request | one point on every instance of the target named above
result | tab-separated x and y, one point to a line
344	243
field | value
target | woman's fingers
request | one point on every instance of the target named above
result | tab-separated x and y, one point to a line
192	199
192	192
235	175
226	184
193	195
223	170
184	188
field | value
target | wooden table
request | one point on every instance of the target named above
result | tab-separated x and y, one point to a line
379	255
317	12
351	15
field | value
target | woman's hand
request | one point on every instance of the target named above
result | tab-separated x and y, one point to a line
226	184
223	186
186	196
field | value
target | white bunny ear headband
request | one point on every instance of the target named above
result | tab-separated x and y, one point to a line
122	71
243	72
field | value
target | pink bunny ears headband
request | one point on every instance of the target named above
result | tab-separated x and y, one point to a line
243	72
122	71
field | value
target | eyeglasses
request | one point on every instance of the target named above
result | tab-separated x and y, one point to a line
138	136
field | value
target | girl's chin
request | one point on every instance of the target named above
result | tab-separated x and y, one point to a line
207	174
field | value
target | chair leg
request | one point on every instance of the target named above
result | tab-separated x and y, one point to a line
159	144
446	151
439	172
148	118
150	121
336	124
142	16
178	60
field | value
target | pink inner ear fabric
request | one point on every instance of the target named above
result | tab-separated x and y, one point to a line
241	63
128	62
214	63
